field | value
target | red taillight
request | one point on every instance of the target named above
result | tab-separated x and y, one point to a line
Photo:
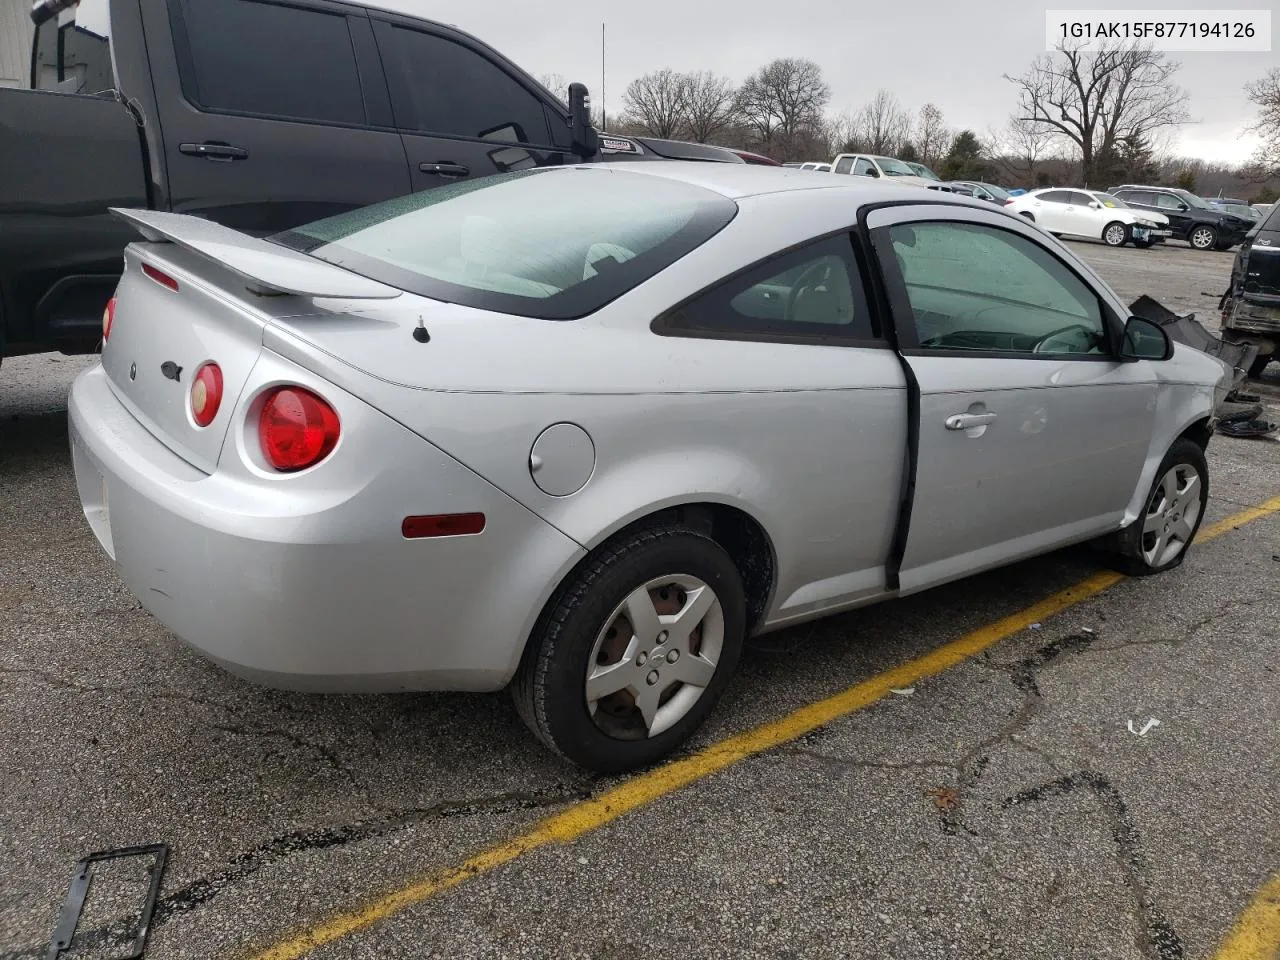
297	429
442	525
1009	201
161	278
108	316
206	394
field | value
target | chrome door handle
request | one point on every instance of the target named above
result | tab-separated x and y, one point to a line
963	421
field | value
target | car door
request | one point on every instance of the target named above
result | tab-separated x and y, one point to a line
273	113
1048	209
802	358
1081	219
461	111
1030	434
863	167
1180	217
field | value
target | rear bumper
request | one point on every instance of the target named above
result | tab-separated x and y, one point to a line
312	586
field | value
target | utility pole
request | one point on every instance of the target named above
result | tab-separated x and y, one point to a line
603	125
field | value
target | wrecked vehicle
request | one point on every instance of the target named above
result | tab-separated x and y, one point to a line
1251	305
579	431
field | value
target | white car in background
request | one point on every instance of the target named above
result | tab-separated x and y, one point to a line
1092	215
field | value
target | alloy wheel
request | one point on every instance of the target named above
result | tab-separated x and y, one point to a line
1202	238
1114	235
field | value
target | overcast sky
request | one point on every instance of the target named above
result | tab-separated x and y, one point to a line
950	53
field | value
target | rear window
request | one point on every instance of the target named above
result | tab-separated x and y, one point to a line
72	52
550	244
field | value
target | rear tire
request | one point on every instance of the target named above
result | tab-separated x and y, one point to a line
1029	216
1174	508
1115	234
1203	237
601	626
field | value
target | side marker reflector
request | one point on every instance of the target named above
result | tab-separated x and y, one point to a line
442	525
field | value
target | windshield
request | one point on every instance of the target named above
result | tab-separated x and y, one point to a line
922	171
552	244
1107	200
1193	200
894	168
1000	193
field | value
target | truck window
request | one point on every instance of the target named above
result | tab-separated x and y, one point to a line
267	59
441	87
72	52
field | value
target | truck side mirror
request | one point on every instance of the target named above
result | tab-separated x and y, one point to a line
585	139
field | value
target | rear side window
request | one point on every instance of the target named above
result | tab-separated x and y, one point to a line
547	243
268	59
439	86
812	292
844	165
1054	196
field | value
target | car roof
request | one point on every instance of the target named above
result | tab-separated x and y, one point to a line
738	181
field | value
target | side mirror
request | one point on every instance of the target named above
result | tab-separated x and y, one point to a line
586	141
873	172
1182	207
1094	205
1144	340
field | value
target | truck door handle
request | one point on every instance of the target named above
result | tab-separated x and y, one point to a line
963	421
223	152
445	169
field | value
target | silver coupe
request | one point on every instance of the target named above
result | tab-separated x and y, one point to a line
579	431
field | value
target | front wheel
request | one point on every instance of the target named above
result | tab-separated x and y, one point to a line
1161	536
1203	238
634	651
1115	234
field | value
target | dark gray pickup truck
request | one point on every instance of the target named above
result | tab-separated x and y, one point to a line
259	114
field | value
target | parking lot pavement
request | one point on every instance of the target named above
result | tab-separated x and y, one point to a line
1001	808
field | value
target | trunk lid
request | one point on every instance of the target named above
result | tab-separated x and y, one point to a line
198	293
160	338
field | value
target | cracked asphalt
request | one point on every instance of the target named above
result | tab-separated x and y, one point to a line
1000	809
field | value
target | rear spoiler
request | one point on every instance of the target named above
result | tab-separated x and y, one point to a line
269	268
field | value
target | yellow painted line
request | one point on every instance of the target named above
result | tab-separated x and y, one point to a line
592	814
1237	520
1256	935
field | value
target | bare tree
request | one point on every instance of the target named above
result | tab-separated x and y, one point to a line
658	101
842	133
709	105
882	124
1097	100
782	102
1265	95
557	83
932	138
1023	144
